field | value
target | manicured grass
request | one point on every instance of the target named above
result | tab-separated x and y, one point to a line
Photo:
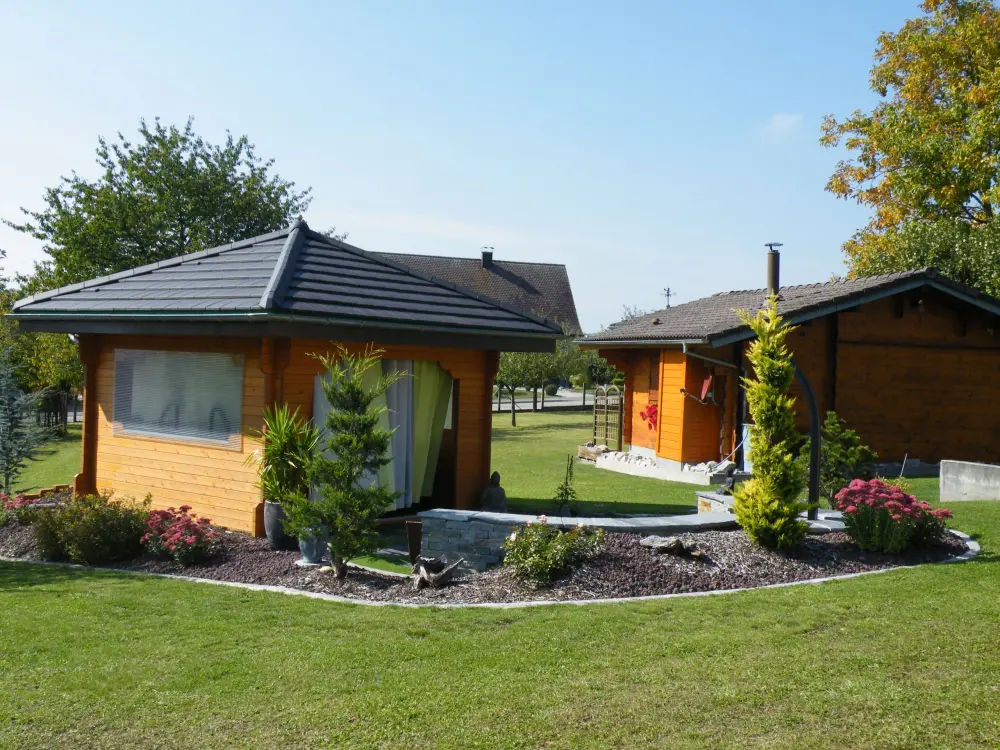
905	659
57	463
531	459
899	660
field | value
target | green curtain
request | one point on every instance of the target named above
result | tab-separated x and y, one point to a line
431	391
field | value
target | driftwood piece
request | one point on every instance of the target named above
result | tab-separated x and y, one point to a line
433	571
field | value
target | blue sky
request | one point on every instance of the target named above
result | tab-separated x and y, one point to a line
644	145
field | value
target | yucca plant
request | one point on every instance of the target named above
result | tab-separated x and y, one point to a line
290	443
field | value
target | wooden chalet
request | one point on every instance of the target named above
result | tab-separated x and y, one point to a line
911	360
183	355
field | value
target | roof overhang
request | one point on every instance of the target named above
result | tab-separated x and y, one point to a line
636	343
264	324
952	290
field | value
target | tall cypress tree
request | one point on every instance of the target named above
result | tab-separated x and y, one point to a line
768	506
20	437
350	498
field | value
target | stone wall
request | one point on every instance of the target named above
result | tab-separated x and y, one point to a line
964	480
478	536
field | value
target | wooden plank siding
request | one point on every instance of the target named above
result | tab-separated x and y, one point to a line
640	434
672	406
216	481
702	422
917	375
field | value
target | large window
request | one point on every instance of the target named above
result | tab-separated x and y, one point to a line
193	396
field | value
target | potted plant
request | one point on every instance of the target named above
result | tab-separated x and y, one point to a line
303	516
290	442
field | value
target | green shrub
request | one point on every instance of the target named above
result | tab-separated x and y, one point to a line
843	457
551	389
768	506
91	530
539	552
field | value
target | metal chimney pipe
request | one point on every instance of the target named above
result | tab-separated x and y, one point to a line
773	268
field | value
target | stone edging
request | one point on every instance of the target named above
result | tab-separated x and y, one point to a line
973	550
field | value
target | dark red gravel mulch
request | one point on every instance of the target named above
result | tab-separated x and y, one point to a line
622	568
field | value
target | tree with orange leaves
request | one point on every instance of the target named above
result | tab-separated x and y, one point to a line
926	160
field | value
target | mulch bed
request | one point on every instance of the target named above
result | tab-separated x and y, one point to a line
621	569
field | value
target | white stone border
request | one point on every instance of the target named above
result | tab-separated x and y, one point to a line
970	553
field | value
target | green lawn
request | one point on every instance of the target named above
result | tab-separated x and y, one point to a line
899	660
531	459
57	462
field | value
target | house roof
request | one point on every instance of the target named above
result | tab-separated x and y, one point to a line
542	288
288	278
713	320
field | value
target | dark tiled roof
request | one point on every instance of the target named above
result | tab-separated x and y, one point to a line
713	318
296	274
541	288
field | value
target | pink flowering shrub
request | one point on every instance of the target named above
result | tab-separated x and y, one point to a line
884	518
19	507
181	535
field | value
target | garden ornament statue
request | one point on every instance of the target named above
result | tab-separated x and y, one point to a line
494	498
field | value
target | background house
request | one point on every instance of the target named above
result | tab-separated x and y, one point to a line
541	288
911	360
182	356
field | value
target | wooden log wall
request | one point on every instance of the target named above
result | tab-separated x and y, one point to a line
216	481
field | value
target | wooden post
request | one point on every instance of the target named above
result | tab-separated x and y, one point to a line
85	483
275	354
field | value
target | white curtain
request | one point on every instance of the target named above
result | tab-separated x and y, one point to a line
399	399
418	407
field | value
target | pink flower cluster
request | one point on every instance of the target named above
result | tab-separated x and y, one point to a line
17	502
180	535
880	495
882	517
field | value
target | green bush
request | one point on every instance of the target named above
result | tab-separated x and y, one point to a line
551	389
768	506
843	457
539	552
91	530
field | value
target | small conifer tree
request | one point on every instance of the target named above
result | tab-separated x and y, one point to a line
566	497
768	506
350	499
20	437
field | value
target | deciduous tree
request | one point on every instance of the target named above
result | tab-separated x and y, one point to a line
930	151
167	194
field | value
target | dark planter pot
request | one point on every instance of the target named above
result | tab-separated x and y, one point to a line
313	547
274	527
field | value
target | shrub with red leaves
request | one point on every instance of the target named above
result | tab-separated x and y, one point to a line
181	535
883	518
19	507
